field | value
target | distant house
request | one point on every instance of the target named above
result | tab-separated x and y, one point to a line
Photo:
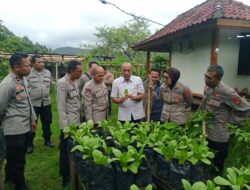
214	32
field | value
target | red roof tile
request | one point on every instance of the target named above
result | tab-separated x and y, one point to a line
228	9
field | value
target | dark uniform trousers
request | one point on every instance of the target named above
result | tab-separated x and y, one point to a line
110	105
15	156
221	153
133	120
64	158
46	119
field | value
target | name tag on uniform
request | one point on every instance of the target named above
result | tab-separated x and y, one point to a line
21	96
214	101
176	98
18	87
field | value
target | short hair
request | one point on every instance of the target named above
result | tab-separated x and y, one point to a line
34	57
217	69
16	59
91	63
164	71
72	65
95	70
127	63
156	70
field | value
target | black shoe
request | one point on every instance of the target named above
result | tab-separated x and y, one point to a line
8	180
49	144
22	188
30	148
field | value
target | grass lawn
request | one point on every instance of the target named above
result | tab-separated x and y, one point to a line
42	169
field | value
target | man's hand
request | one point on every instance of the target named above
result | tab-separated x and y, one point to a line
33	126
123	99
132	97
136	98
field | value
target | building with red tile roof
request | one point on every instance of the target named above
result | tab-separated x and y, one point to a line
213	32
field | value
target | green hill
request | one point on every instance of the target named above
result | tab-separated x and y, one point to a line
9	42
71	51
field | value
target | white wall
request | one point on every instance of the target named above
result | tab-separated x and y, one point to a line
194	65
228	58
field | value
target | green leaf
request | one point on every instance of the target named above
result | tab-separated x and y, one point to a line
77	147
247	186
134	167
158	150
236	187
211	185
193	160
232	176
117	152
99	158
199	186
149	187
221	181
90	124
186	184
66	130
85	156
206	161
126	92
134	187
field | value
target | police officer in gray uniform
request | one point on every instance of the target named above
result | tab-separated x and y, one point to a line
86	76
177	97
227	106
68	107
17	118
39	83
95	97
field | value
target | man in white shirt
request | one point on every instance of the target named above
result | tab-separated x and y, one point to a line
128	92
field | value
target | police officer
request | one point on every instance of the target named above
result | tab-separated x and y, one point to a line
227	106
68	107
86	76
95	97
39	83
17	118
108	80
177	97
152	91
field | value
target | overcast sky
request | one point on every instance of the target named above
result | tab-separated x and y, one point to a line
60	23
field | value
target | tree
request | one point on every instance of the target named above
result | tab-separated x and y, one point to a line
115	41
4	68
160	60
9	42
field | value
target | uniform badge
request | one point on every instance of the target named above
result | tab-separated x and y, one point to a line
217	94
177	98
186	92
18	87
87	90
236	100
177	85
